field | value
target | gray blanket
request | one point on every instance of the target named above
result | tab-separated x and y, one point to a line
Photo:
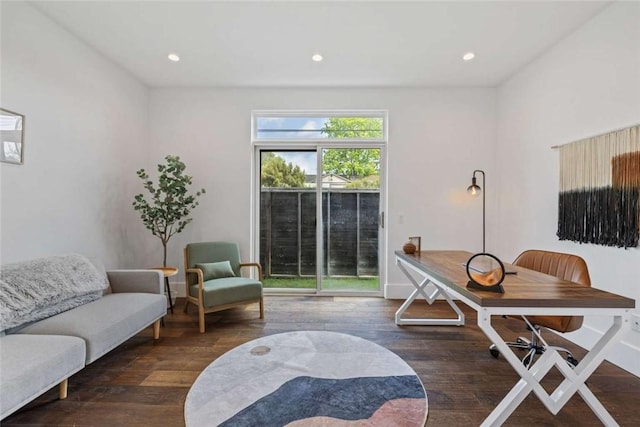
40	288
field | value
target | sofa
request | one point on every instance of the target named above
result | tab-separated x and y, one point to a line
61	313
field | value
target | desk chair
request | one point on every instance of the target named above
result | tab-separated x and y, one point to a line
567	267
213	280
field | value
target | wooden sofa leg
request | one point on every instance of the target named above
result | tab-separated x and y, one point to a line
156	329
64	385
262	307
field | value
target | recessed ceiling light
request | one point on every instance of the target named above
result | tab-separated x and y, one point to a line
173	57
468	56
316	57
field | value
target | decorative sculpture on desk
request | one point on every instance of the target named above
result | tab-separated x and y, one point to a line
486	273
412	246
409	248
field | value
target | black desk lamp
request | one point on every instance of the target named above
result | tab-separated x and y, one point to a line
474	190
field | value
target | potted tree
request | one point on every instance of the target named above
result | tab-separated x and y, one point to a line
167	211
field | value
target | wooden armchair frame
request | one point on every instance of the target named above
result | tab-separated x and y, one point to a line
199	301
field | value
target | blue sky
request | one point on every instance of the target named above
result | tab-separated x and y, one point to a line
293	127
305	159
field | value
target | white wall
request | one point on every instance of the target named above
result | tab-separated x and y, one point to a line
437	138
586	85
86	133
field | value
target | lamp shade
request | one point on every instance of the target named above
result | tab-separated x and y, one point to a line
474	189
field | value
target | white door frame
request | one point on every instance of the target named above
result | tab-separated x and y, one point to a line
317	145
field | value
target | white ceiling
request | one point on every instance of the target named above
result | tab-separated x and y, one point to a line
365	43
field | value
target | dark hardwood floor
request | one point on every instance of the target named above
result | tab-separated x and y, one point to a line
145	383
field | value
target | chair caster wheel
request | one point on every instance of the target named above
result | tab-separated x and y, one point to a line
494	352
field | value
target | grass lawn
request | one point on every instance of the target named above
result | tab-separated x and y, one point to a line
331	283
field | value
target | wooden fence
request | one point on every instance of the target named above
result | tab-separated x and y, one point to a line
288	232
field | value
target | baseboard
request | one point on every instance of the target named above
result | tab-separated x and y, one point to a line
624	354
399	291
402	291
177	289
391	291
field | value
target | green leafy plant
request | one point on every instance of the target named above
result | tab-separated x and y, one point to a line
167	211
276	172
352	163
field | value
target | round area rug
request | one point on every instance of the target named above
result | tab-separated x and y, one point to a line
307	378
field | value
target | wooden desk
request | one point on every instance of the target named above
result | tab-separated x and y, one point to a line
441	273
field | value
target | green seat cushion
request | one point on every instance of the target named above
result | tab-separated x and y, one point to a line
228	290
216	270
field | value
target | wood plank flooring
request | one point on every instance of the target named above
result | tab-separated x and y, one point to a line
145	383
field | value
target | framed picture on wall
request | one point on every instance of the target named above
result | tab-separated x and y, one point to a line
11	137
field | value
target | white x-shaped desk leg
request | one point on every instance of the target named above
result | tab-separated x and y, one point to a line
530	378
421	290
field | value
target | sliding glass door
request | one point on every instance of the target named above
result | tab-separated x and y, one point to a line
318	210
350	213
288	243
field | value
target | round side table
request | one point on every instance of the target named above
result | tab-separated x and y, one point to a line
167	272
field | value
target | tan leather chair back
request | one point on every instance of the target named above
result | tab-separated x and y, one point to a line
565	266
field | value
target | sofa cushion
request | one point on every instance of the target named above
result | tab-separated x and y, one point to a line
32	364
228	290
104	323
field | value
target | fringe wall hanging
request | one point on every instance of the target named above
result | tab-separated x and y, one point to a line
600	189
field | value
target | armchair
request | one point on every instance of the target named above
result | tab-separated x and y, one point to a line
213	279
565	266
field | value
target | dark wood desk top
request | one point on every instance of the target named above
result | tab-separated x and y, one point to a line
527	288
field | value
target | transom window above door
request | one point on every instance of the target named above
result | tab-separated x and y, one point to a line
323	126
